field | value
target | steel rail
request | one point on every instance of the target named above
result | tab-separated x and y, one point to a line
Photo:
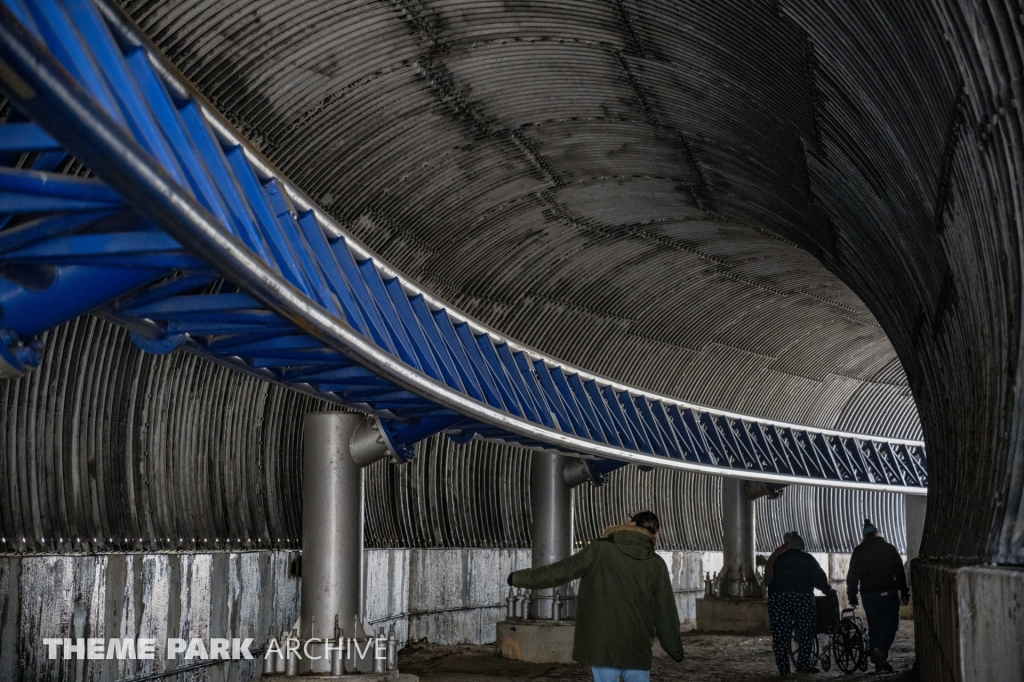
39	85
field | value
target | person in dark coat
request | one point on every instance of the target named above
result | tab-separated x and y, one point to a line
876	570
769	565
625	597
795	575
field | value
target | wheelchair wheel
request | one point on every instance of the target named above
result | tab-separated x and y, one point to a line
826	661
848	647
794	649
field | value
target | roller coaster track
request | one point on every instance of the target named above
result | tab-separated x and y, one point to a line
180	231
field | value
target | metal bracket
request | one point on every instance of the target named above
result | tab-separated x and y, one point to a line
400	438
755	489
16	357
160	345
576	472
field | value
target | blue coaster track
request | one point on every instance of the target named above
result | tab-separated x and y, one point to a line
180	231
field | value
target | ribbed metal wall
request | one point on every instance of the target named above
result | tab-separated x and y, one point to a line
478	495
108	449
689	506
920	110
451	495
548	168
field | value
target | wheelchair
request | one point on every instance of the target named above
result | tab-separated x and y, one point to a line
845	641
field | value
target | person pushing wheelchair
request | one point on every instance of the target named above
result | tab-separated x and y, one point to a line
795	574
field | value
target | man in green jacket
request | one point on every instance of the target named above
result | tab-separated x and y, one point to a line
625	598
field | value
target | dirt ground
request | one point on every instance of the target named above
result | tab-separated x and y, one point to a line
709	658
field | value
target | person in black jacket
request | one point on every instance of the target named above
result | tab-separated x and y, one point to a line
877	569
791	599
769	565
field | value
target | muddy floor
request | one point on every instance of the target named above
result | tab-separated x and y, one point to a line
709	658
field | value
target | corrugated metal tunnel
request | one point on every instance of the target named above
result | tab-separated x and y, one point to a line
109	449
128	477
792	209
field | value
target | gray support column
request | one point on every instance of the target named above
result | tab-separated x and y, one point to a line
551	532
336	446
738	578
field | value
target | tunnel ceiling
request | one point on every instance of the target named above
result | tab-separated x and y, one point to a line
622	185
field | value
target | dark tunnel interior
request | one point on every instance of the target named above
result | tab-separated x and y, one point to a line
802	210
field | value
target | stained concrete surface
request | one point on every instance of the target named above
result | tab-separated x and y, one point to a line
709	658
536	641
738	616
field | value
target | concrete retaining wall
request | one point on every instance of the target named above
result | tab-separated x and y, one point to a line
447	596
139	596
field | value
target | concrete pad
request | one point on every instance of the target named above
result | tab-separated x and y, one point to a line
740	616
536	641
969	622
991	612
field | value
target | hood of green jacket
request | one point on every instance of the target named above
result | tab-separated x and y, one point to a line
632	541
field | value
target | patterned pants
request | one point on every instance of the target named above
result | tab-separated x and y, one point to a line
784	609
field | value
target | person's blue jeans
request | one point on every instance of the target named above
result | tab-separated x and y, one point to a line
883	612
605	674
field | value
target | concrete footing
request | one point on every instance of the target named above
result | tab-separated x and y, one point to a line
968	622
740	616
535	641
